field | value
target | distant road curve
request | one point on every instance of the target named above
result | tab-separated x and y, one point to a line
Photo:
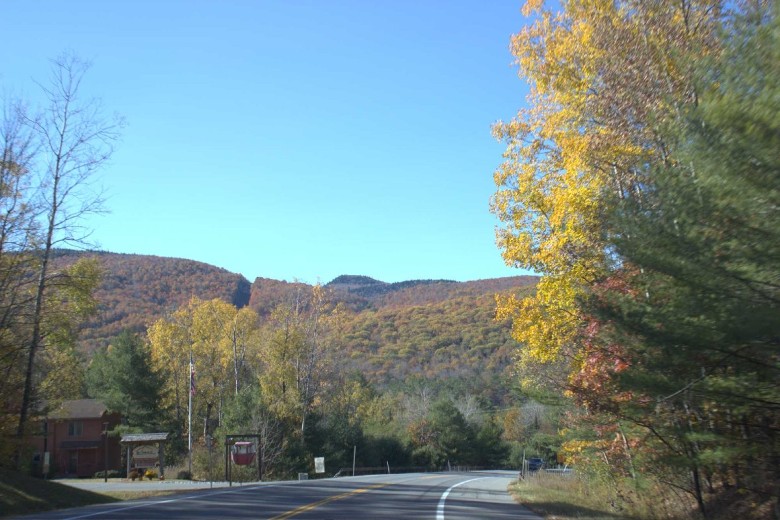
434	496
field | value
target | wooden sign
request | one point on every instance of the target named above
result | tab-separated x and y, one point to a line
146	456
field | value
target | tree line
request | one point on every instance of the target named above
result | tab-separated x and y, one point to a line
643	184
283	380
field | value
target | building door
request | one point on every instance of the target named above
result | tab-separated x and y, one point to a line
73	461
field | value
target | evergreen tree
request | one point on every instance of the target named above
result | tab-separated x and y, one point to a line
443	436
490	450
123	378
694	298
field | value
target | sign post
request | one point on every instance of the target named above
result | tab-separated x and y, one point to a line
46	456
209	444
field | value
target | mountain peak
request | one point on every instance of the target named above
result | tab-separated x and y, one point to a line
354	281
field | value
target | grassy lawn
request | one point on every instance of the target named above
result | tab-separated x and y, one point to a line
131	495
23	495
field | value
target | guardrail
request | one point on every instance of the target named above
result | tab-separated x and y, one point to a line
376	470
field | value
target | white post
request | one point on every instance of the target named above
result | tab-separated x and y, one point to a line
189	416
522	467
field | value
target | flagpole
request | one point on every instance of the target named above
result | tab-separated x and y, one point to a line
189	416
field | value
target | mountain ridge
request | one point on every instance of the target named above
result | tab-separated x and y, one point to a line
433	329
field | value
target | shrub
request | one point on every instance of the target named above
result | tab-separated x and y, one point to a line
112	473
150	474
184	475
201	465
134	475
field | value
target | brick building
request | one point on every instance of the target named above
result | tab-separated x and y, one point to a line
73	436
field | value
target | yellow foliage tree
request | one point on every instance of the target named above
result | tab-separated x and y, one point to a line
296	358
218	338
170	342
604	76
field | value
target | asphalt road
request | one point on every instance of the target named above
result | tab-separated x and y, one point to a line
435	496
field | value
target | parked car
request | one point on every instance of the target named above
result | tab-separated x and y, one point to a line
535	464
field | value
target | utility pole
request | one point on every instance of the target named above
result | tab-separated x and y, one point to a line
189	413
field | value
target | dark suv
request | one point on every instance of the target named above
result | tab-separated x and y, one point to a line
535	464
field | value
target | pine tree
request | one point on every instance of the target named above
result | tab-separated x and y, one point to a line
694	297
122	376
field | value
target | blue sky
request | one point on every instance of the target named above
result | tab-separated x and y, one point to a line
291	139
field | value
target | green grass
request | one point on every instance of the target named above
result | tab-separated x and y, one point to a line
131	495
570	497
557	497
23	495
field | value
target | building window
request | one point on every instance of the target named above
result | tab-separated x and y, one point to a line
75	428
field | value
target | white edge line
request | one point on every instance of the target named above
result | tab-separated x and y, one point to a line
440	507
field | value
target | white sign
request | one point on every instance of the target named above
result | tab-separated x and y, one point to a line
319	464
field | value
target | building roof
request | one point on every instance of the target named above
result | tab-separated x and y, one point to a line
79	409
129	438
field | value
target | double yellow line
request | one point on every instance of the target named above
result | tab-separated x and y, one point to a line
314	505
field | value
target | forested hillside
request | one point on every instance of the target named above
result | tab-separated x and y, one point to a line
137	289
457	340
364	292
431	329
356	362
360	293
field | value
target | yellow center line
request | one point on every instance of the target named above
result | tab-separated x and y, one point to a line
309	507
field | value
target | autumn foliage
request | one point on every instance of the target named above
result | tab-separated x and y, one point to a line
641	183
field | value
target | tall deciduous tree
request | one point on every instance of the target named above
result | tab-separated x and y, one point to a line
297	360
17	235
169	340
75	142
219	339
603	76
